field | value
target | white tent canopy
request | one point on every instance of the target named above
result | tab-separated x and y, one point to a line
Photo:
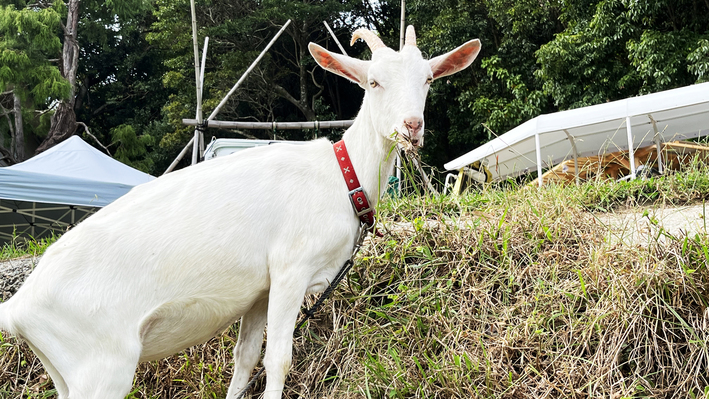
550	139
59	187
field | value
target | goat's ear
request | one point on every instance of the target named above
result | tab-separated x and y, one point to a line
456	60
350	68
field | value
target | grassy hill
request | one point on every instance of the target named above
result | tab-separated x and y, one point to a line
507	292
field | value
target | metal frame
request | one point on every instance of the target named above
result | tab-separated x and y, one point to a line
39	220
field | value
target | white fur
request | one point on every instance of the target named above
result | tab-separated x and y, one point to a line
181	258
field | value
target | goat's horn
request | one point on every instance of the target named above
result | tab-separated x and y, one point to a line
372	40
410	36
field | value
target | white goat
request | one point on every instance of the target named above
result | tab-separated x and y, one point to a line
181	258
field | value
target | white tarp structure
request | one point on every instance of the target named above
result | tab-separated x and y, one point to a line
635	122
60	187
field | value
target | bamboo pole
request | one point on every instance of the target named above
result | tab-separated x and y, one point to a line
335	37
179	157
201	89
251	67
195	138
402	28
273	125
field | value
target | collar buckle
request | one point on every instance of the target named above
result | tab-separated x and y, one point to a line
359	201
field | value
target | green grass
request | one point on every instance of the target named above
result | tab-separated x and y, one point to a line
507	292
18	248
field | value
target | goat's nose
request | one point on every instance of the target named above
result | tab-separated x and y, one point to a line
413	124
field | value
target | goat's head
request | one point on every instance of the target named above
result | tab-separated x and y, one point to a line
396	83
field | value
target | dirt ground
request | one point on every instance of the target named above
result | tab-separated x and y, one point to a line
643	225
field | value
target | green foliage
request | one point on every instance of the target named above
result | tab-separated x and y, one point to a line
286	85
131	148
499	89
624	48
537	57
28	42
699	61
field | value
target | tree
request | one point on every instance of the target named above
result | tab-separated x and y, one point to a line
500	90
28	77
63	122
286	85
614	49
119	92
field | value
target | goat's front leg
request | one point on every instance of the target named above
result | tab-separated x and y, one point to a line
285	298
248	347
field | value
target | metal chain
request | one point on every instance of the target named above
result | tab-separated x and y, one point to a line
309	313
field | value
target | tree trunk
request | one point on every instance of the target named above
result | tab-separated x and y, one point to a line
19	137
7	155
64	119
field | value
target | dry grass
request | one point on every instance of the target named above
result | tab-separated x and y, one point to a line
503	294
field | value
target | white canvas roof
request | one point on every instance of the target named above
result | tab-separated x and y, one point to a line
677	114
71	173
60	187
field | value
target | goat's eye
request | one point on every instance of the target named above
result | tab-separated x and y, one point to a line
373	83
429	80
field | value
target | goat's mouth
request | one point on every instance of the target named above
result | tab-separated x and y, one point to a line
407	143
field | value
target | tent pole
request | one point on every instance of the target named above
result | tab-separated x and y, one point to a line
658	146
538	148
576	156
251	67
631	150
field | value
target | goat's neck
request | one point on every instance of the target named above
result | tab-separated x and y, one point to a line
371	156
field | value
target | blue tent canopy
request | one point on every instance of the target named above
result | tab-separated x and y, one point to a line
60	187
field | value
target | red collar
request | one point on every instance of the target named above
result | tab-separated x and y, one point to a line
358	197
